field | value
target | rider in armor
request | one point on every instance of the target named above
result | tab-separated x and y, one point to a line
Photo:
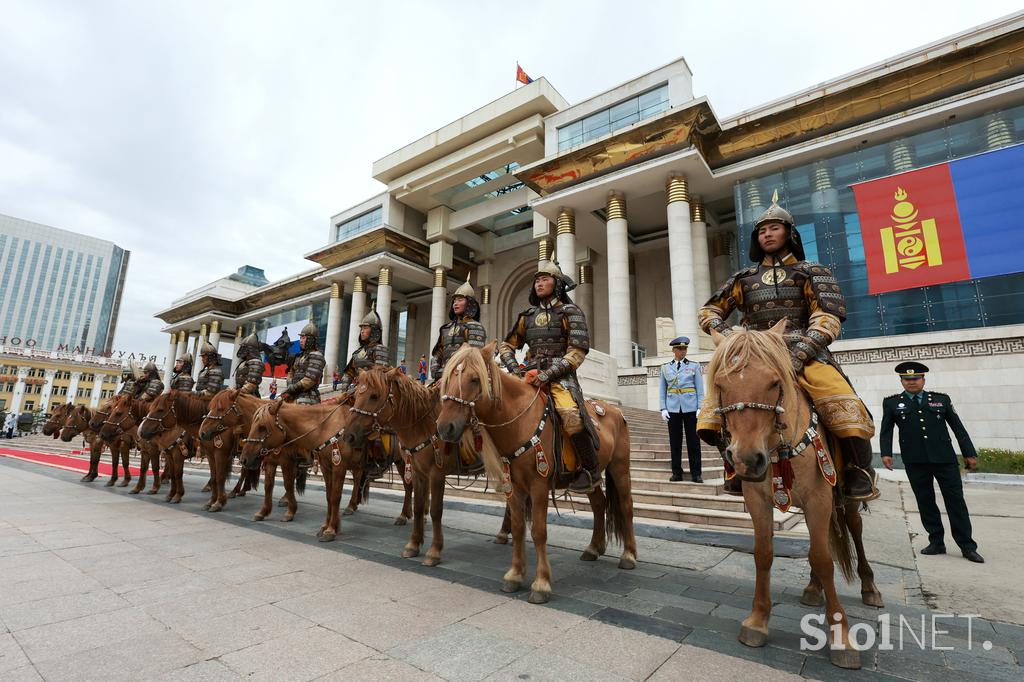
555	329
127	380
464	327
182	379
307	369
782	284
149	386
369	353
211	376
249	372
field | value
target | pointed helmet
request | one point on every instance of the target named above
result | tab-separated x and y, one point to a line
472	305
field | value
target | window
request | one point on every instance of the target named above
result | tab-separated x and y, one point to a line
359	224
624	113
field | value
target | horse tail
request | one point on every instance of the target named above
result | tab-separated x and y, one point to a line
839	539
615	521
364	487
300	480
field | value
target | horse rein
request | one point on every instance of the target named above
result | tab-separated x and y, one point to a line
471	404
220	417
284	432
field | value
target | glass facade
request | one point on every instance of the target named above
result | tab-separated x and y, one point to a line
822	203
613	118
359	224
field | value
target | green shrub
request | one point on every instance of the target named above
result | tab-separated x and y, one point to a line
995	461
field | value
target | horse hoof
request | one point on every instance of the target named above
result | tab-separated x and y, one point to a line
431	560
258	517
326	536
232	494
588	555
347	511
510	586
152	492
845	658
287	518
501	540
410	552
167	498
752	637
282	502
206	489
110	483
539	597
401	521
216	507
627	563
872	599
124	484
206	507
240	494
134	491
176	500
812	598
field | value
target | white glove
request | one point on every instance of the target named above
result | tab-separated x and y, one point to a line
664	415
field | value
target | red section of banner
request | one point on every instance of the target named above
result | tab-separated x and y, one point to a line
911	230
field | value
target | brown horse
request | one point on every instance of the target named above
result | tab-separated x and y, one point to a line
78	422
172	426
257	452
117	421
765	414
309	428
392	400
53	425
227	421
513	414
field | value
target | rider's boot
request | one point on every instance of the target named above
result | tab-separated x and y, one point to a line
858	474
588	477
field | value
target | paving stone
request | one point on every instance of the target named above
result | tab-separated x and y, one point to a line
614	649
11	655
679	601
550	666
525	623
203	671
24	674
971	666
220	634
124	658
618	602
650	626
914	668
56	609
773	657
458	652
818	667
63	640
694	620
691	662
302	654
379	668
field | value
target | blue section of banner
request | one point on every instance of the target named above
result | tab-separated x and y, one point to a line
989	192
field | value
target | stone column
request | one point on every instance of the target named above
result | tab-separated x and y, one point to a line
239	332
197	364
358	311
409	352
335	311
73	387
565	244
701	260
44	401
585	294
384	303
680	257
19	390
97	387
619	304
438	305
169	362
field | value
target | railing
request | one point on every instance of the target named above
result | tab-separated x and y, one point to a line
639	353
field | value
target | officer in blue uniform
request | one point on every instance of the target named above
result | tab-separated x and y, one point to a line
682	392
927	453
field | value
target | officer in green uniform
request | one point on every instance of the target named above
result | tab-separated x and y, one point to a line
927	452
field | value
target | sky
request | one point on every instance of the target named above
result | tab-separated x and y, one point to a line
205	135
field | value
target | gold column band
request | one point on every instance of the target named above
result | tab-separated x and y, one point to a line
697	211
385	276
337	289
174	337
822	178
998	132
358	285
545	247
440	279
616	206
566	222
678	189
586	274
239	331
182	336
215	326
485	294
202	330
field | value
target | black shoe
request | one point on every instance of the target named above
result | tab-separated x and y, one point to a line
972	555
698	479
675	478
933	548
860	484
583	483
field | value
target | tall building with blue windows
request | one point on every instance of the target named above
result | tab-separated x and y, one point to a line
59	290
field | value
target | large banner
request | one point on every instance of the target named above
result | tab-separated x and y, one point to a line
284	340
947	223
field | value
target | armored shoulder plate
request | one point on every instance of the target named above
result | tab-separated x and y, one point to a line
579	333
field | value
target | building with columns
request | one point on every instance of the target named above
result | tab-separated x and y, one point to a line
37	380
647	198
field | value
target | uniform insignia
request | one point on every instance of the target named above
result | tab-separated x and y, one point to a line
901	405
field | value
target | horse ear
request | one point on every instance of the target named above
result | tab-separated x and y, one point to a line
488	350
391	373
716	337
779	328
275	407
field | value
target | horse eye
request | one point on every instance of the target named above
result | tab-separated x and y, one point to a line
373	396
474	380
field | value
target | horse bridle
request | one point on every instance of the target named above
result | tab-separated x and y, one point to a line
220	417
377	426
159	421
474	421
284	432
783	446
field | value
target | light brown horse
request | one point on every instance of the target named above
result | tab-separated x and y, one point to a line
78	422
227	421
474	390
172	426
118	421
53	425
764	413
393	400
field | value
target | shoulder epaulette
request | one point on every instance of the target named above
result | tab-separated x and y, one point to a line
890	397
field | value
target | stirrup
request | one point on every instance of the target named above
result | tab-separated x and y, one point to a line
871	477
594	481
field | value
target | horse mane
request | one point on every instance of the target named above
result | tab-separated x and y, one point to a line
751	347
190	408
413	402
470	358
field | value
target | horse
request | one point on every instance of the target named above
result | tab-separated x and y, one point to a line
172	426
55	422
764	411
79	422
515	417
393	400
118	422
318	429
227	421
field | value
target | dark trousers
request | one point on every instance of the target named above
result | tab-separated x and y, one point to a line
952	487
678	422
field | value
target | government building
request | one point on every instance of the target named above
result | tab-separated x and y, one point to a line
904	178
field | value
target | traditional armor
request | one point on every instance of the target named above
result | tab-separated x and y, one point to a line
784	285
249	372
464	328
307	370
211	376
555	330
150	386
127	381
182	380
369	353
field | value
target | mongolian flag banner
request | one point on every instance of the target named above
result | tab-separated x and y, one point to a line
944	223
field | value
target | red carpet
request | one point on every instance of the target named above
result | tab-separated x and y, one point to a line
62	461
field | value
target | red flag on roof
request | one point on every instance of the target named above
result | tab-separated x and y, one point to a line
521	75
